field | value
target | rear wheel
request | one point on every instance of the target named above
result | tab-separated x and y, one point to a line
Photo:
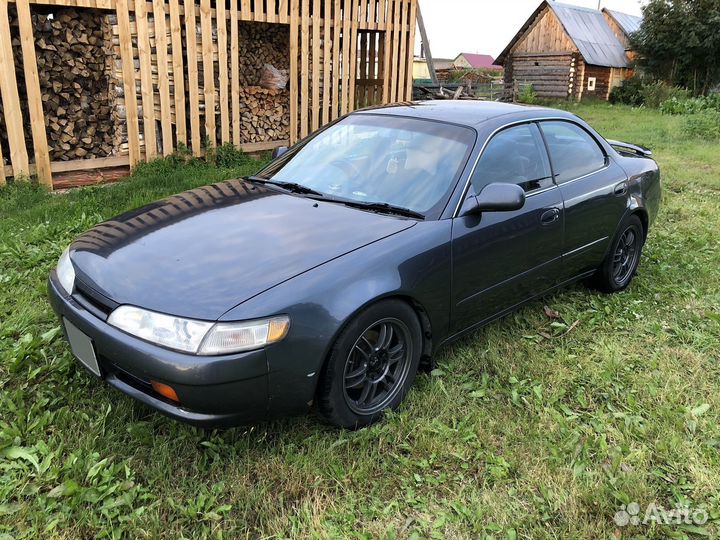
618	268
372	365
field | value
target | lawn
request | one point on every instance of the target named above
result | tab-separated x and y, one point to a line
531	427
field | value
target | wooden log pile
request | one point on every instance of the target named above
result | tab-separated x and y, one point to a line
260	44
74	57
264	114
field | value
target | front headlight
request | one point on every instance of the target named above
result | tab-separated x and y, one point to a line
199	337
65	271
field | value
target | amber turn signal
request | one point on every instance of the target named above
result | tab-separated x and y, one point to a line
165	390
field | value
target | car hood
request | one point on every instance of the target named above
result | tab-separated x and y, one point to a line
200	253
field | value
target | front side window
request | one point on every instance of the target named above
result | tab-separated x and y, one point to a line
373	158
515	155
573	152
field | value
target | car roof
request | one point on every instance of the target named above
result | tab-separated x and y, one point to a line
464	112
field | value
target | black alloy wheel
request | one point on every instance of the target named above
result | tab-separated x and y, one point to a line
372	364
377	366
619	267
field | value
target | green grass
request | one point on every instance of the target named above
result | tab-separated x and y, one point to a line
523	430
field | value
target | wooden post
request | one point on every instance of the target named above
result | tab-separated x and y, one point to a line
235	71
336	62
411	49
161	46
148	101
193	84
128	71
178	72
32	85
208	71
316	48
304	66
426	46
11	99
327	53
221	22
294	75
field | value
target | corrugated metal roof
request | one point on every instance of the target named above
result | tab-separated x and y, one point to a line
628	23
591	34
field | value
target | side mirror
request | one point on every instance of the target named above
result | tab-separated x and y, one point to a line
499	197
279	151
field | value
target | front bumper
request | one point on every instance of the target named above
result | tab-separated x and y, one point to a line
213	390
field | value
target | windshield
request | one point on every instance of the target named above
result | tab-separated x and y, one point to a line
404	162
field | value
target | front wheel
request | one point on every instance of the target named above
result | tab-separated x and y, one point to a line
618	268
371	366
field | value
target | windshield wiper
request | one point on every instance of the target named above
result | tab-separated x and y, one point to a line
381	207
288	186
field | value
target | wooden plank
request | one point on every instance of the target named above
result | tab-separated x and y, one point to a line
11	99
316	51
304	66
425	43
395	51
3	180
221	22
146	86
411	48
372	67
193	84
283	11
402	60
294	75
263	146
327	63
363	67
246	10
161	46
372	24
259	10
386	58
235	71
345	67
336	56
270	16
208	71
353	55
178	72
35	103
130	90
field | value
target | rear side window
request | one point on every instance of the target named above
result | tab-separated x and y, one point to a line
515	155
573	152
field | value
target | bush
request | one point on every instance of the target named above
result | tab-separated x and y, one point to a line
675	105
653	94
636	92
528	95
704	125
628	93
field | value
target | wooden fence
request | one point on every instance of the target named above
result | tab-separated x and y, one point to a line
344	54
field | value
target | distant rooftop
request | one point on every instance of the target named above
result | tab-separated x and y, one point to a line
479	61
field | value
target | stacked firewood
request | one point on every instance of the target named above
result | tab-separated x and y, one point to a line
264	114
73	56
260	44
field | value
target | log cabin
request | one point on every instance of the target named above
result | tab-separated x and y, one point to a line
569	52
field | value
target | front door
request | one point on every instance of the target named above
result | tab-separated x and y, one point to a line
502	258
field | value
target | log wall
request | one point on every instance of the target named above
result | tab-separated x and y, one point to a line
183	73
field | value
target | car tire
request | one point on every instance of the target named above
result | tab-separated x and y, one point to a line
617	270
371	366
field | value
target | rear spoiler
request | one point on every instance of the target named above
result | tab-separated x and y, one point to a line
639	150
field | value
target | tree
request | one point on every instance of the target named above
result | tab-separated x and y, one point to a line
679	43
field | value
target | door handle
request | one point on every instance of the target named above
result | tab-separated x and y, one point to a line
621	189
550	216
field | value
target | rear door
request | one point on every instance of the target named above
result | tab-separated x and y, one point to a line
594	190
502	258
